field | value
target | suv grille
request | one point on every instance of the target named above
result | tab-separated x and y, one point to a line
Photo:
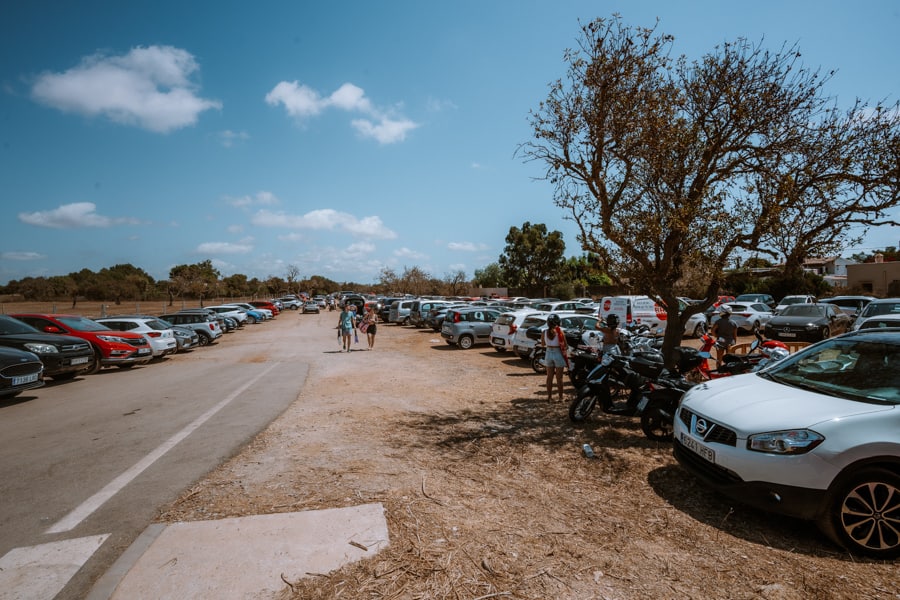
74	347
17	370
716	434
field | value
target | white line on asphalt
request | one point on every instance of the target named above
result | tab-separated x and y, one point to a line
87	507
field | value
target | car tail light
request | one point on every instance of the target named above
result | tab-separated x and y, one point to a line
456	318
212	326
512	328
153	334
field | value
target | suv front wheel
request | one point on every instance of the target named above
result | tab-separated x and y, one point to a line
863	513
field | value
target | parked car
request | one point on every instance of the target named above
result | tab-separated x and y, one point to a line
750	317
504	328
384	313
111	348
63	356
399	312
815	436
766	299
465	327
159	334
566	306
260	313
420	309
19	371
230	310
311	307
795	299
290	302
521	343
568	322
884	308
852	305
435	318
266	305
206	326
807	323
186	338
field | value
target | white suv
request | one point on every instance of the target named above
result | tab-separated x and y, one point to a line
159	335
504	328
815	436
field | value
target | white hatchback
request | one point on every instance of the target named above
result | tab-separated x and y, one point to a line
505	327
815	436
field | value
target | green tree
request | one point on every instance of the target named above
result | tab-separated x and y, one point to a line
666	165
491	276
533	258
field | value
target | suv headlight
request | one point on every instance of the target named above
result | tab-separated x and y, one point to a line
39	348
791	441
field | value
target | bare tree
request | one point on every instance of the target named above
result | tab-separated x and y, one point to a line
658	160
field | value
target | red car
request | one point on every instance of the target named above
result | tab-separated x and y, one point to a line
268	305
112	348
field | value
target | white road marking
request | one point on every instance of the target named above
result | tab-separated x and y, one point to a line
40	572
87	507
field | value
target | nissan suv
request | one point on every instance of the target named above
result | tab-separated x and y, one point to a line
815	436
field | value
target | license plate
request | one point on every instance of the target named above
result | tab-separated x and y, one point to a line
80	360
695	446
24	379
787	334
142	351
445	329
499	341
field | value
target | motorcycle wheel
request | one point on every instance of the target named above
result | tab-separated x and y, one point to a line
582	407
537	363
656	425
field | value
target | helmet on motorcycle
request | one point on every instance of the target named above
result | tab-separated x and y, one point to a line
612	321
778	354
553	321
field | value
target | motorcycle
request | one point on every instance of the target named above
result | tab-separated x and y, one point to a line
761	350
612	385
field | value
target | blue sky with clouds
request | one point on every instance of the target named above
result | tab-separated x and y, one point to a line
340	137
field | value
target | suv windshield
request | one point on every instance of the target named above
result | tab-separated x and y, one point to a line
850	367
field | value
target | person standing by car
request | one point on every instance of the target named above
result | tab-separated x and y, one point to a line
369	324
346	323
725	332
555	357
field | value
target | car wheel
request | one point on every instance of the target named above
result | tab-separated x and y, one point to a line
466	342
252	320
204	339
700	330
95	366
826	332
863	514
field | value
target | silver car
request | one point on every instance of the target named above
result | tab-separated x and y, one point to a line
465	327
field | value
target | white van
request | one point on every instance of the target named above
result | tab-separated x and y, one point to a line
634	310
642	310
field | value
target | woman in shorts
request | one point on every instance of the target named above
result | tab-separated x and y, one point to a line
555	358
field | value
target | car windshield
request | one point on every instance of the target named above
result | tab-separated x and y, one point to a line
82	324
11	326
881	308
793	300
849	367
803	310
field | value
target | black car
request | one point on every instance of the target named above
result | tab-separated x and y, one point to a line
807	323
63	356
19	371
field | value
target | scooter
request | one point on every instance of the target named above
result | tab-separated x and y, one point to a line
612	385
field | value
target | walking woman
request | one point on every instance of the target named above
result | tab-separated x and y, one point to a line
369	325
555	356
346	323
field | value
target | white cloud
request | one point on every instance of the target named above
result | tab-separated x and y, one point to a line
229	138
328	219
467	246
360	248
21	256
408	253
73	216
149	87
263	197
224	248
301	101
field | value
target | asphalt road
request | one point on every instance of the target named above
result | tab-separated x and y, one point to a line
97	456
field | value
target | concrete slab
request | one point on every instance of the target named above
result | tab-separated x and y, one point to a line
243	557
40	572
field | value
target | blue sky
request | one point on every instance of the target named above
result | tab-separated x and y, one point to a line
338	137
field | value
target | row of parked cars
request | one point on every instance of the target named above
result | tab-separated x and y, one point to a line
61	346
815	436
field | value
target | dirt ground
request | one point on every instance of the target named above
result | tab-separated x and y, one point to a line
488	495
